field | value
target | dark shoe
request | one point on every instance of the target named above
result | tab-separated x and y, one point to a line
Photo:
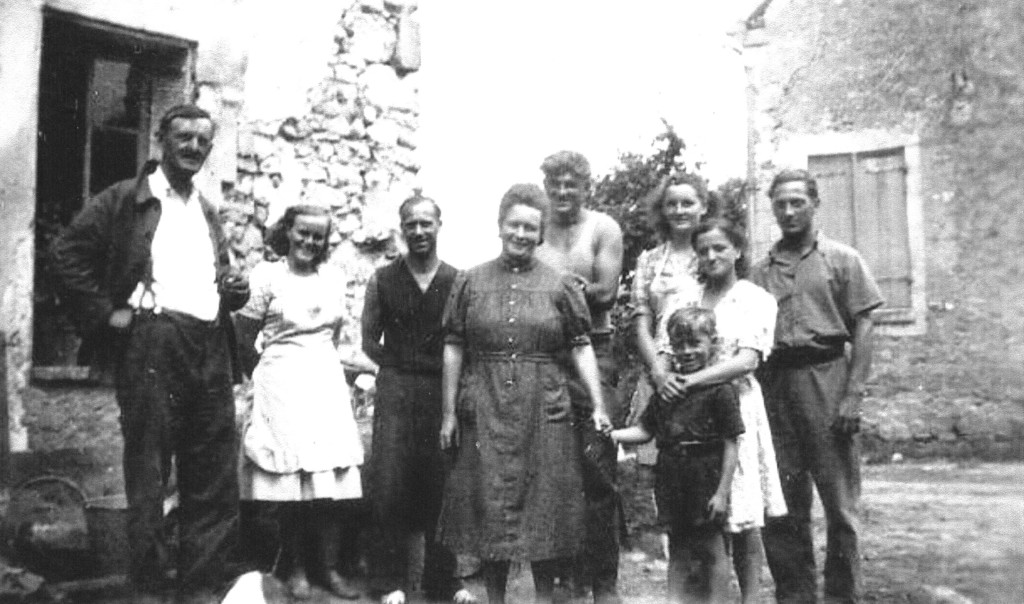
340	586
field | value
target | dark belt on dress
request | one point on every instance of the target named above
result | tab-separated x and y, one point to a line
535	357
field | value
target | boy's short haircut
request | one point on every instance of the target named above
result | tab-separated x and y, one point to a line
689	321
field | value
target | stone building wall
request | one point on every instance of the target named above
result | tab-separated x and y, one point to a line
353	149
950	74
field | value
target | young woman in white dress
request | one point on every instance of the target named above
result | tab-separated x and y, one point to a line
300	444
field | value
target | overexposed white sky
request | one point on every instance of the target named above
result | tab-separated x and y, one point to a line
506	83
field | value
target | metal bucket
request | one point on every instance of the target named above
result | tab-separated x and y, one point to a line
107	522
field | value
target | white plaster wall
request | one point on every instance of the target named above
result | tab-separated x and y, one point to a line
20	26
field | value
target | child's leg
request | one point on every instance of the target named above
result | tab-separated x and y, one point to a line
747	558
544	573
495	577
698	568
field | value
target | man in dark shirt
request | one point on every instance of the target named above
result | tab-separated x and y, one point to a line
405	302
813	389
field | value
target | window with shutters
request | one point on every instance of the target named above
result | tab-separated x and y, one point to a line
864	197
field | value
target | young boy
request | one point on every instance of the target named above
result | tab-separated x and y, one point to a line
696	438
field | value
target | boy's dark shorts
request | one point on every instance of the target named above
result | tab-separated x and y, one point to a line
686	478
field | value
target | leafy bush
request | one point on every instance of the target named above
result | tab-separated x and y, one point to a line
622	195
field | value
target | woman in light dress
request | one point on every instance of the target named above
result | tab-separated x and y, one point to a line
745	315
665	275
300	444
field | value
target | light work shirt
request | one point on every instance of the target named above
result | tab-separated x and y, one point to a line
184	261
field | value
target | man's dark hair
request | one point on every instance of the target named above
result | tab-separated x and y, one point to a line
416	199
795	175
186	111
566	161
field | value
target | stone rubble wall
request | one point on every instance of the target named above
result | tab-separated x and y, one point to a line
353	150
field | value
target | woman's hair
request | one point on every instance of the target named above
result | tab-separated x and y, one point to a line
736	236
277	235
655	200
690	321
529	195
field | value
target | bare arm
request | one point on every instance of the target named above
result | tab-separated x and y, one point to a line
632	435
603	291
848	421
372	323
586	367
453	357
718	507
743	362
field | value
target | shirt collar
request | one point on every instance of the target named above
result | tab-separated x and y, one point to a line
775	252
161	188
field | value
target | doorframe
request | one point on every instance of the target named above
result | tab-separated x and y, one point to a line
172	82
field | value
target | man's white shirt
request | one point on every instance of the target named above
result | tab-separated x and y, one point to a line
184	259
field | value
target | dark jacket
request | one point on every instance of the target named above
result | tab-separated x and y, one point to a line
105	252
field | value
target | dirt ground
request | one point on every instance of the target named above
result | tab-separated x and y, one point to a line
926	526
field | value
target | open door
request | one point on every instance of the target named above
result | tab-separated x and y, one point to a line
100	86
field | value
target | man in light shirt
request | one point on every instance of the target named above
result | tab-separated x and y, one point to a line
145	267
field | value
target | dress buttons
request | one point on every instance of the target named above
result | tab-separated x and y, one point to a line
513	356
514	286
511	302
511	319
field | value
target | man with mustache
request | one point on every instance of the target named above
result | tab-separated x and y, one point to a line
146	268
813	385
405	303
589	245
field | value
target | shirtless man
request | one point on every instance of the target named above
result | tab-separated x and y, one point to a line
589	245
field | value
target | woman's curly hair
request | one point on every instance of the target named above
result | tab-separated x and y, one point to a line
655	200
277	235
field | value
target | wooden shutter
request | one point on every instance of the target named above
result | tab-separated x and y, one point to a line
864	205
883	236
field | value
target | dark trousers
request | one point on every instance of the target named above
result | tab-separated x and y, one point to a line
406	477
802	402
174	390
597	566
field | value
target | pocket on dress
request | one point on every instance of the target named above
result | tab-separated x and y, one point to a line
555	402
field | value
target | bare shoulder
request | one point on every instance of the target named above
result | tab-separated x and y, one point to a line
605	227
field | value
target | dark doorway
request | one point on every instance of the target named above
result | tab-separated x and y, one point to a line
99	87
